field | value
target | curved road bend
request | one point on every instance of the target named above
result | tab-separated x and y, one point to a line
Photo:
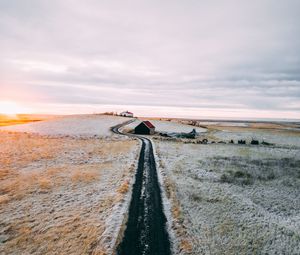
146	231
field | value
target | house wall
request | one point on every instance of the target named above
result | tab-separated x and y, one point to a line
142	129
126	115
152	131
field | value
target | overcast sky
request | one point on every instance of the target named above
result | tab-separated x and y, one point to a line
174	57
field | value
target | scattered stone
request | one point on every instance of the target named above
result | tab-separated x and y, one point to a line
4	238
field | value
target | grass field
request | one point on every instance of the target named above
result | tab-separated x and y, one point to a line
63	195
8	120
233	199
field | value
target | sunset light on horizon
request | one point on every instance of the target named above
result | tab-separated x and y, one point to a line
12	108
150	127
193	59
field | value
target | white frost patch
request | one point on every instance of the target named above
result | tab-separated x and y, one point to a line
77	125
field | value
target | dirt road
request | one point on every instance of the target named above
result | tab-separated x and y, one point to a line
146	227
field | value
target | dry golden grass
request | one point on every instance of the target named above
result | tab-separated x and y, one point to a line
34	168
21	184
45	183
99	253
270	128
19	150
24	235
54	171
114	148
8	120
4	199
176	212
61	235
86	176
124	187
3	173
11	122
185	246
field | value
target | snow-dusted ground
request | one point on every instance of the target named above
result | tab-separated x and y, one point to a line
64	194
232	199
76	125
285	138
168	126
225	124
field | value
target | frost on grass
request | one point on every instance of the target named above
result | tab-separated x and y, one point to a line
56	194
74	125
231	199
278	137
167	126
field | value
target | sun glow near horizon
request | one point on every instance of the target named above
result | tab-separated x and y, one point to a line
11	108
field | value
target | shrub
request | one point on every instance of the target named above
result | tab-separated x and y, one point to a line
186	246
237	177
241	174
196	197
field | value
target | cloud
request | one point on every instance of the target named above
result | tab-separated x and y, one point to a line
188	54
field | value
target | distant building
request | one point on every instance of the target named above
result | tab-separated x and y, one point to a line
145	128
126	114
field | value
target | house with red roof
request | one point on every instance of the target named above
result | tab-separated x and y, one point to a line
126	114
145	128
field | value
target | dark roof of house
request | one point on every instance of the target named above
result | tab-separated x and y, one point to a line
148	124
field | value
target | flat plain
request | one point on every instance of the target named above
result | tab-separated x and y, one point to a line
234	198
66	183
64	194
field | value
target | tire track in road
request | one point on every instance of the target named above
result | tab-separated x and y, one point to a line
146	232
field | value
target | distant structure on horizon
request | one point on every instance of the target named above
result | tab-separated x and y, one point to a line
145	128
126	114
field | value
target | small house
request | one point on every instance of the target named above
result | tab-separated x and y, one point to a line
145	128
126	114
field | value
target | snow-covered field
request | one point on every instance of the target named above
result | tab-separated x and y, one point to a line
65	186
284	138
168	126
224	124
64	194
233	199
76	125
